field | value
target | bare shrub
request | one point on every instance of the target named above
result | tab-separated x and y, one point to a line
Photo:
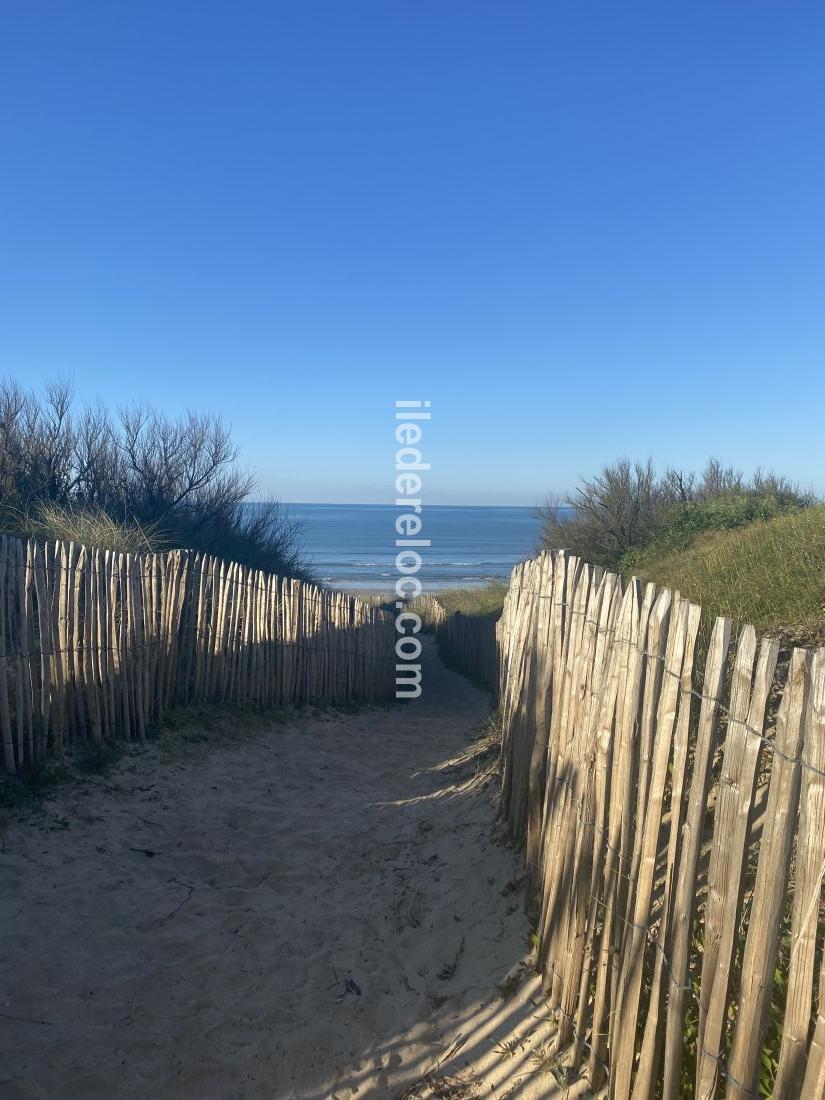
135	479
613	517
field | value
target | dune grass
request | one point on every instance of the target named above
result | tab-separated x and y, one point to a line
486	601
93	527
770	573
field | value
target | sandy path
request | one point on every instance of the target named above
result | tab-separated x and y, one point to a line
325	914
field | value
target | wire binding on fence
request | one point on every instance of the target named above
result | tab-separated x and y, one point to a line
768	741
606	677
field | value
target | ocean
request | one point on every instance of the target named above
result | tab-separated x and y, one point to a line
352	546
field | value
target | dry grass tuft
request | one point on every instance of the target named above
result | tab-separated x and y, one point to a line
434	1086
92	527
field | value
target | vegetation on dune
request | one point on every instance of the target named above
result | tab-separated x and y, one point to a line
486	601
89	527
628	508
137	481
753	550
770	573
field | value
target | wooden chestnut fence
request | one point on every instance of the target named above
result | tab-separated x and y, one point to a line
669	785
427	607
97	644
468	643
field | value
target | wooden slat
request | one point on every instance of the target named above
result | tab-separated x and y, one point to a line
633	625
76	643
563	811
665	609
87	636
630	981
573	871
727	857
542	685
13	625
685	893
814	1082
9	761
63	582
810	867
577	953
54	585
770	887
601	856
648	1068
28	657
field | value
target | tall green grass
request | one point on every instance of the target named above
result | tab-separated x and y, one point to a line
487	601
770	573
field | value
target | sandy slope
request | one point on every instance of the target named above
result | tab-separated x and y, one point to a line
324	914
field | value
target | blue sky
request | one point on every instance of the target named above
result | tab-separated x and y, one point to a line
581	230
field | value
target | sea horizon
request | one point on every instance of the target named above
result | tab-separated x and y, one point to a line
352	546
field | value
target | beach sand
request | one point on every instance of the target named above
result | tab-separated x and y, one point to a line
322	908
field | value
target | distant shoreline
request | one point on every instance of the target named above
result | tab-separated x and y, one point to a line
352	546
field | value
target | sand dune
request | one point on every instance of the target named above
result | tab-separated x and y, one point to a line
320	909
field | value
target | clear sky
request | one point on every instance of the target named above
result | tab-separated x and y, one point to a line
580	229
